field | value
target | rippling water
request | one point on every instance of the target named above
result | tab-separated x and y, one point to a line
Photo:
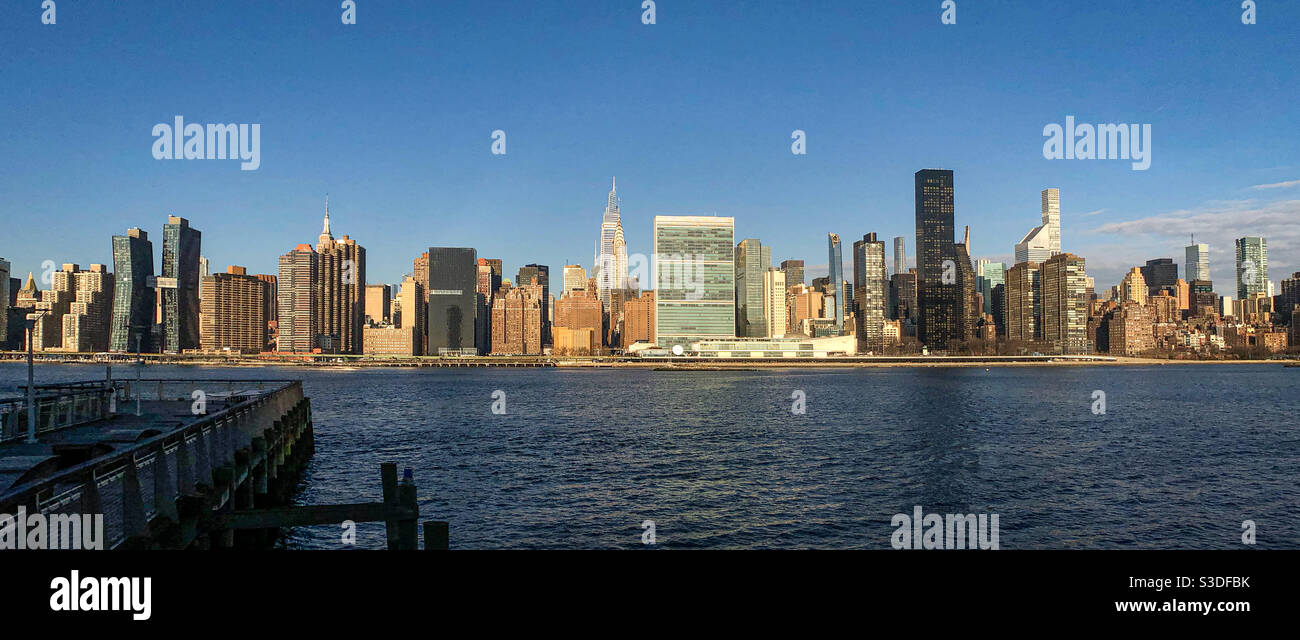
581	458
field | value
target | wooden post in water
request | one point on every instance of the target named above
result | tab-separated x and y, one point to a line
435	536
388	475
407	528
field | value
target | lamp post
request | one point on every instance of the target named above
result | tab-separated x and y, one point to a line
139	369
31	378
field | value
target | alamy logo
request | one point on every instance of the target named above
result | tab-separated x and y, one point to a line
102	594
949	275
1099	142
951	531
54	531
648	13
180	141
1248	272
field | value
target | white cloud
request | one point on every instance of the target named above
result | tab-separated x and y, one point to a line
1277	185
1217	224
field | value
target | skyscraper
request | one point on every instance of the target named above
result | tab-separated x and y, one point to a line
902	295
1133	288
86	324
969	310
835	258
543	274
453	301
900	255
232	311
580	316
297	298
133	297
938	290
870	292
378	303
695	279
610	268
752	262
1198	262
415	302
775	313
1160	273
1043	241
1252	266
793	272
4	303
1065	304
1024	302
574	278
639	319
989	275
180	285
517	320
341	285
1052	218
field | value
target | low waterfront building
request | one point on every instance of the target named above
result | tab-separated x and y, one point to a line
388	340
582	341
777	347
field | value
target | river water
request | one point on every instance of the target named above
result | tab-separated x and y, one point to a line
1180	458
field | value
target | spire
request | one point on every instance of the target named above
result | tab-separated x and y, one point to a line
326	231
326	238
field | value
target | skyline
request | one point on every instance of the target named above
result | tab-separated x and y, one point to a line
691	128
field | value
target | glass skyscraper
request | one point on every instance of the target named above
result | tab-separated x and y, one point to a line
835	257
752	262
871	293
695	293
133	297
180	285
1252	266
1197	266
989	275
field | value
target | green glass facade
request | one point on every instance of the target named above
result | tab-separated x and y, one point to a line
695	279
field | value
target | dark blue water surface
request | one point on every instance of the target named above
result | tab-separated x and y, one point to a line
1182	456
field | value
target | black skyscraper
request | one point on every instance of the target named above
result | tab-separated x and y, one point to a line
1160	273
938	284
453	300
133	296
180	285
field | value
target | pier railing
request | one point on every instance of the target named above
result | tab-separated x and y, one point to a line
55	409
151	477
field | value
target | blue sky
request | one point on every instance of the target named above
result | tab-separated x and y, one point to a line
392	117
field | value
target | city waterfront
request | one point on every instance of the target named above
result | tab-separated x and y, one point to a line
718	459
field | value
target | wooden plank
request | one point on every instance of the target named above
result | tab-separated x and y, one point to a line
311	515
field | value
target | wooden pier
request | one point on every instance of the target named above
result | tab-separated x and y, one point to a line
167	473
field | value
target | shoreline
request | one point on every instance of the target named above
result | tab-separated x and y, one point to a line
698	364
